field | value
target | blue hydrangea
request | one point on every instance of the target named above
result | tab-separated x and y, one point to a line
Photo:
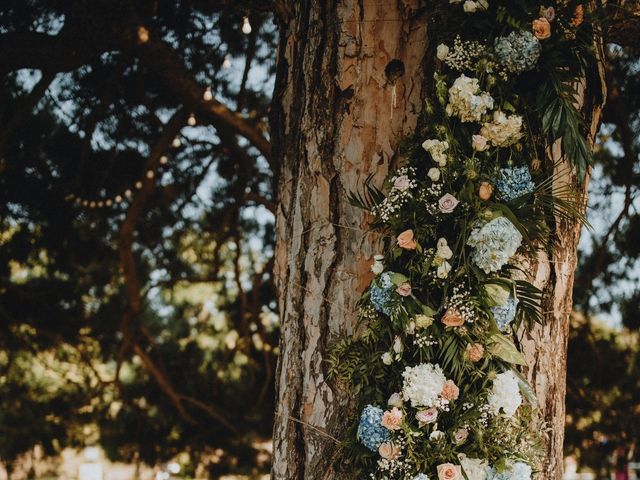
517	471
504	314
380	299
494	243
514	182
518	51
370	431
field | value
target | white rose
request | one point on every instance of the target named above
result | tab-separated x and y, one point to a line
470	6
442	51
436	435
434	174
377	268
402	183
411	328
443	270
443	250
387	359
397	345
482	4
395	400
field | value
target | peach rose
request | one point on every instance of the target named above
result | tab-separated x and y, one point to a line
389	451
541	28
404	290
430	415
450	391
449	471
406	240
475	352
447	203
392	419
578	16
485	191
452	318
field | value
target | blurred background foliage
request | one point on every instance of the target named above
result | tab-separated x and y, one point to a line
141	317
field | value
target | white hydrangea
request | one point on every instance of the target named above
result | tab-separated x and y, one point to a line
474	468
503	130
423	384
505	395
494	243
467	101
520	471
437	149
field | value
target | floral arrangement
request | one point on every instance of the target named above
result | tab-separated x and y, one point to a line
435	364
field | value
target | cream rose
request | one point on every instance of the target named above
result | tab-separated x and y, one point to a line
434	174
449	471
395	400
424	417
406	240
404	290
392	419
479	143
460	436
447	203
389	451
442	52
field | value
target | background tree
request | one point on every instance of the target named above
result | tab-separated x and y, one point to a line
136	235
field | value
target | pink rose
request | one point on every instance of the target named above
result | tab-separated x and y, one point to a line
450	391
404	290
460	436
406	240
479	143
392	419
449	471
402	183
447	203
389	451
429	415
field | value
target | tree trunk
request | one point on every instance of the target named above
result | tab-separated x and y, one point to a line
545	346
337	118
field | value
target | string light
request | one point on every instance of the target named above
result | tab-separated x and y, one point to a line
128	193
163	160
150	174
138	185
192	120
207	95
226	64
118	199
246	26
176	142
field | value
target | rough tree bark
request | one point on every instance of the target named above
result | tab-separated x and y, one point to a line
334	123
336	119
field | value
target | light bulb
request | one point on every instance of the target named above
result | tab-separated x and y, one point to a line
226	64
150	174
138	185
100	204
127	193
192	120
118	199
176	142
207	95
92	204
163	160
85	203
246	26
108	202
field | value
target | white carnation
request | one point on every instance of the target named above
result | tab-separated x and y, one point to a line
434	174
503	130
423	384
467	101
505	394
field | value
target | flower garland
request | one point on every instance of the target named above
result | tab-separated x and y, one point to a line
435	365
